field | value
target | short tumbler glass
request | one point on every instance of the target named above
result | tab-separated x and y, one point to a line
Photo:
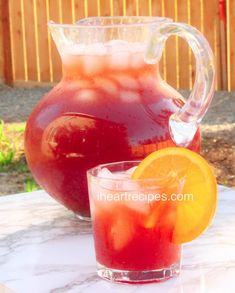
133	224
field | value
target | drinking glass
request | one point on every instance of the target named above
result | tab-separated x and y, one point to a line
133	224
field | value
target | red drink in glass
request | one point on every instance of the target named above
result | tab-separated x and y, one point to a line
133	237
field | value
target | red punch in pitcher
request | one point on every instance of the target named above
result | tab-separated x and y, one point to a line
112	103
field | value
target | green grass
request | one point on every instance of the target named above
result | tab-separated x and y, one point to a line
1	129
18	165
30	185
225	183
7	147
12	159
19	128
6	157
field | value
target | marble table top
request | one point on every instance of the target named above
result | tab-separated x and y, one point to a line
44	248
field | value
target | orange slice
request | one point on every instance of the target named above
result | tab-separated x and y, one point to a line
193	214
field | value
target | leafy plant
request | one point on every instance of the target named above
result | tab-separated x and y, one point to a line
12	159
21	167
7	149
17	165
30	185
225	183
6	157
1	129
19	127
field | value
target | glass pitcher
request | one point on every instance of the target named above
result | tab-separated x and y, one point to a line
112	103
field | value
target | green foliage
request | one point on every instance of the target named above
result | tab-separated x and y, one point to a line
30	185
1	129
7	148
225	183
18	165
19	128
6	157
12	159
21	166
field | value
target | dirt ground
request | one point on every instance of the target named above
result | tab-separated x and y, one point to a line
218	134
13	182
219	150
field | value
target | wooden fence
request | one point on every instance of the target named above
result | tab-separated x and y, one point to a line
28	54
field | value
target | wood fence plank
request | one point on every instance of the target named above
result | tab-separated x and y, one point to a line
217	47
17	40
170	49
54	15
79	9
92	8
196	20
157	11
183	62
105	8
43	40
144	7
5	44
66	7
196	15
156	7
150	8
2	9
223	45
30	43
116	7
130	7
210	9
231	42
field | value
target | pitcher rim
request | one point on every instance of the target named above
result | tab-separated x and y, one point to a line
83	23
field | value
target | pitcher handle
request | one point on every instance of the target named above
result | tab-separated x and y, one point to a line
184	124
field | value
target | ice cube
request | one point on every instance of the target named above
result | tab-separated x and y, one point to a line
95	49
122	231
117	46
121	175
129	96
153	216
101	197
140	206
106	179
138	47
134	197
126	184
105	173
74	49
130	171
137	60
72	60
106	85
92	65
147	81
126	82
79	84
119	61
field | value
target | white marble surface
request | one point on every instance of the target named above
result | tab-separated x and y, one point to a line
43	248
